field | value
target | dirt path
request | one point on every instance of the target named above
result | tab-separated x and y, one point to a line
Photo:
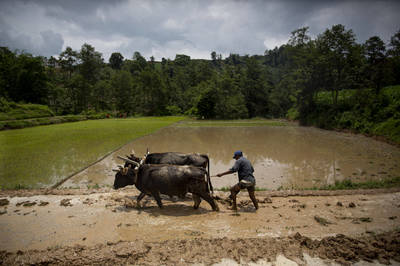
105	228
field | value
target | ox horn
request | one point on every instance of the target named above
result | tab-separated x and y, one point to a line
128	160
147	152
115	170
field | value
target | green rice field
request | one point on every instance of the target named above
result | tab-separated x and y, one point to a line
41	156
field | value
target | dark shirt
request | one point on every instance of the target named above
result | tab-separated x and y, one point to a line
244	168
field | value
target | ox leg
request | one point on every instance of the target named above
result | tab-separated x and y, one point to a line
206	196
156	195
197	200
139	198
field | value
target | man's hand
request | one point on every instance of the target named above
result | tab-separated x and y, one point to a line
219	175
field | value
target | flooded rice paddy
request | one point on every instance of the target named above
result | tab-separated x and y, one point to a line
282	156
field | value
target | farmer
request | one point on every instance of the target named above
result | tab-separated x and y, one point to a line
246	179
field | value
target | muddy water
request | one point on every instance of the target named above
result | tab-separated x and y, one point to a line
287	156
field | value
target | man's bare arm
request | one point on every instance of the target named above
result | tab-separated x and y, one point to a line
225	173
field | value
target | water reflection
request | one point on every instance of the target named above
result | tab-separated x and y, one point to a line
282	156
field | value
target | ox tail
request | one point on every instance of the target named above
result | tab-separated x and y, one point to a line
210	187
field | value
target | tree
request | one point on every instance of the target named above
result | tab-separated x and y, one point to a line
30	83
335	46
395	45
206	104
124	94
91	62
375	51
213	56
68	60
394	57
182	60
140	60
152	62
116	60
7	72
300	37
254	88
150	95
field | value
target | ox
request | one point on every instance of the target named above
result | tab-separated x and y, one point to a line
171	180
175	158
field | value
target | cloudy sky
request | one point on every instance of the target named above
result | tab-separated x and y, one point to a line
193	27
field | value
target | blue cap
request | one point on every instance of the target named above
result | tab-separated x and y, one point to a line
237	153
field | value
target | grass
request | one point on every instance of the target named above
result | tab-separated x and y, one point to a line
256	122
372	184
39	156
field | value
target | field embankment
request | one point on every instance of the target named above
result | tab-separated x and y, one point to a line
40	156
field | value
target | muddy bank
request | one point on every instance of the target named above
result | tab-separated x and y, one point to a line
382	248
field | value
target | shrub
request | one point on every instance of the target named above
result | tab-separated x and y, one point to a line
292	114
173	110
389	128
14	111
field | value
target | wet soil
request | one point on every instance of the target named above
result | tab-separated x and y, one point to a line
104	227
382	248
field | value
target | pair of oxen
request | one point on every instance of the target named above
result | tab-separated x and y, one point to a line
169	173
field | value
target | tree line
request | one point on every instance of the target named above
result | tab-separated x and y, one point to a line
284	82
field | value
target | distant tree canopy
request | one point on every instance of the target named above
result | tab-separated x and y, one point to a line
284	79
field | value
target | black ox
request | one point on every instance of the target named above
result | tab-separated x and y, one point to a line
175	158
172	180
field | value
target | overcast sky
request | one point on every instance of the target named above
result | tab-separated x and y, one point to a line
195	28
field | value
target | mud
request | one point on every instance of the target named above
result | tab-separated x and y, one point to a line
106	227
382	248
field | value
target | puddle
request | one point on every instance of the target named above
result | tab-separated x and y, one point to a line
286	156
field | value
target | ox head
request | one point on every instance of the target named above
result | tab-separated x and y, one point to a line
126	175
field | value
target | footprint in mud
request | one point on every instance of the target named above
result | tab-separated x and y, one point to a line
43	203
4	202
26	203
193	233
352	205
65	202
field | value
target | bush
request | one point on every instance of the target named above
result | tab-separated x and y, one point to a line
361	111
292	114
173	110
15	111
389	128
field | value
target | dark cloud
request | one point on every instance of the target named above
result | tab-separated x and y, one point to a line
165	28
46	43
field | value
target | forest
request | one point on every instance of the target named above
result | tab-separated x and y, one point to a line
330	81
